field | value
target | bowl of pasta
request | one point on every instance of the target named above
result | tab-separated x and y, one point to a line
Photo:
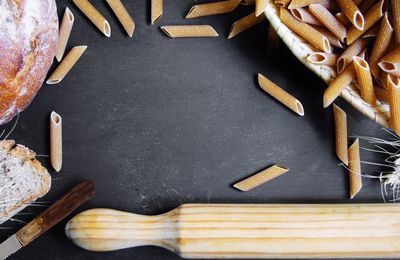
352	45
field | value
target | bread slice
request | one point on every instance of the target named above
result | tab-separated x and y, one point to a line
22	179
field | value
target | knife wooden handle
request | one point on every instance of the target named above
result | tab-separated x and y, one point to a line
248	231
58	211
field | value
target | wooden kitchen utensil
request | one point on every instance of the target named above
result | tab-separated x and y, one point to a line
248	230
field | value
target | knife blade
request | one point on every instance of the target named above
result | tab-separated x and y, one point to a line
9	247
47	219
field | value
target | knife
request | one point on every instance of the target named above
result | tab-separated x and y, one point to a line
47	219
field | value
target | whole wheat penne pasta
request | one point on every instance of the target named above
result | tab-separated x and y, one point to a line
157	7
261	5
323	58
396	19
364	79
66	65
282	3
56	141
64	32
306	31
332	39
350	9
123	16
340	134
393	85
305	16
94	16
248	2
382	94
370	18
381	44
355	178
281	95
181	31
273	39
338	84
328	20
245	23
261	178
213	8
302	3
353	50
390	63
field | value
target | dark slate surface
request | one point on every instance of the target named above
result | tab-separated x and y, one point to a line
156	122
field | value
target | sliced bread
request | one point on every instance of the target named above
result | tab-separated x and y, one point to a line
22	179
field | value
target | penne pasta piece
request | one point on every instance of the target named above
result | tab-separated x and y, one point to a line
281	95
282	3
353	50
261	178
323	58
180	31
338	84
371	17
355	178
66	65
396	20
382	94
332	39
273	39
261	5
157	7
390	63
328	20
213	8
123	16
305	16
350	9
245	23
340	134
306	31
381	44
364	79
393	85
64	32
302	3
56	141
94	16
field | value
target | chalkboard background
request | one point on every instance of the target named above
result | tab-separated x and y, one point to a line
156	122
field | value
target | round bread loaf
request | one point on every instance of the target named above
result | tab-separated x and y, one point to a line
28	39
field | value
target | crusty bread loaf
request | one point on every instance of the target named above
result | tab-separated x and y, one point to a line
28	39
22	178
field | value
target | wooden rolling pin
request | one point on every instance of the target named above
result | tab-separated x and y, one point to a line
248	230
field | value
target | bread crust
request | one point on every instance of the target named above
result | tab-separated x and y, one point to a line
28	40
20	151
